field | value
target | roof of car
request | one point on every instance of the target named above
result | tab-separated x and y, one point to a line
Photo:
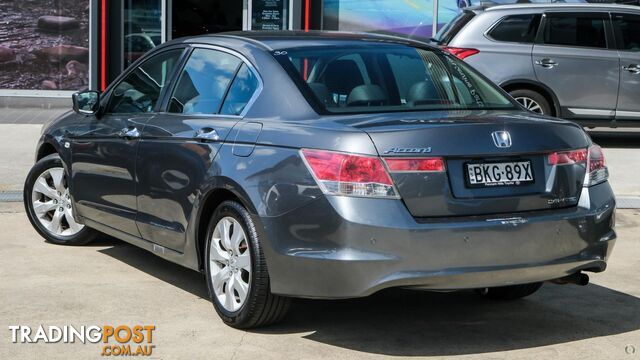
582	6
275	40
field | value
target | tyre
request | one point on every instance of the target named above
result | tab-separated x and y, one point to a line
48	204
236	271
532	101
512	292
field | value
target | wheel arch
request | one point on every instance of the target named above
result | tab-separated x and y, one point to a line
541	88
224	189
45	149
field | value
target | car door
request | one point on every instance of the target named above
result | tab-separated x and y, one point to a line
574	56
627	31
179	145
103	155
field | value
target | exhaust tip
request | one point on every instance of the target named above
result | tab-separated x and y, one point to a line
578	278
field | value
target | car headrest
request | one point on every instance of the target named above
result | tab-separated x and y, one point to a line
322	93
422	92
366	95
341	76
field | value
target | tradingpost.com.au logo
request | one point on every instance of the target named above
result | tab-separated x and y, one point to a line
121	340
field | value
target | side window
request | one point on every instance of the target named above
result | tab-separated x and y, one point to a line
241	90
585	30
516	28
627	30
203	82
139	91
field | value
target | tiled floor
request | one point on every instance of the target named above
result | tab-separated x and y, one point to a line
29	115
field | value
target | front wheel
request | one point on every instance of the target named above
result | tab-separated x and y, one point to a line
236	271
47	202
512	292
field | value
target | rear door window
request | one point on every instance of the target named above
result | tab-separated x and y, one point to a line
516	28
582	30
242	89
204	81
627	30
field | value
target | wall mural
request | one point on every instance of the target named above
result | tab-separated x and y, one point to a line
44	44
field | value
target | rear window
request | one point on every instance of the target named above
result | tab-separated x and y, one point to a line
452	28
584	30
388	77
516	28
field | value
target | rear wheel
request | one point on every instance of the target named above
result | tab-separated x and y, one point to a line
236	271
512	292
532	101
48	204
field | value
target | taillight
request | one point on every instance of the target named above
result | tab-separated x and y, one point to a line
568	157
348	174
593	158
460	53
432	164
597	171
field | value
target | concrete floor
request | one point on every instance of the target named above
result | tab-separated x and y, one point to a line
110	282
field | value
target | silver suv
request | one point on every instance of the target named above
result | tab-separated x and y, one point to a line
575	61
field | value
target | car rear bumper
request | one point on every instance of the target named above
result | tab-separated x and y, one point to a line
340	247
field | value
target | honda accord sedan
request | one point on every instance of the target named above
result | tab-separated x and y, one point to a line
323	165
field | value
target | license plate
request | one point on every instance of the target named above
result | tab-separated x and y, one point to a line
499	174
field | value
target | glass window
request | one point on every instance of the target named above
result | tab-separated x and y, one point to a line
203	82
395	78
142	28
241	90
139	91
451	29
516	28
627	29
570	30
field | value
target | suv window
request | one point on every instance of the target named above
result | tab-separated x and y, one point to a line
139	91
585	30
452	28
203	82
516	28
241	90
627	30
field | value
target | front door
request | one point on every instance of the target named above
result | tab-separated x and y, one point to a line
627	30
178	146
103	170
575	57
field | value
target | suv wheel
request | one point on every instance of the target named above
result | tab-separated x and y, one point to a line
48	204
532	101
512	292
236	271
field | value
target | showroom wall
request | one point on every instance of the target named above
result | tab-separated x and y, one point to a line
44	44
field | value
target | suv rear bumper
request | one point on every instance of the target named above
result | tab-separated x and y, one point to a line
340	247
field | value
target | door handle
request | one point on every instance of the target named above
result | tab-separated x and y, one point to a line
632	68
207	133
130	133
546	63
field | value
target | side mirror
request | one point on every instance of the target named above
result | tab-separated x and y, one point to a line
86	102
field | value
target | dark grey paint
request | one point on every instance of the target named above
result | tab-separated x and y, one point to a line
151	191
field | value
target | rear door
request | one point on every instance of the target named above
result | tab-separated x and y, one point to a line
178	146
574	55
627	31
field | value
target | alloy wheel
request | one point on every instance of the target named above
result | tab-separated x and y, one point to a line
52	203
530	104
230	264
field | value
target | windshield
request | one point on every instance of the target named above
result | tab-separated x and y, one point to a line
388	77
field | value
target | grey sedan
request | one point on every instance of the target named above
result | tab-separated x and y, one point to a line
324	165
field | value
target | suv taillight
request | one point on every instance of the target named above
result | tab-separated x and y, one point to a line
593	158
460	53
349	174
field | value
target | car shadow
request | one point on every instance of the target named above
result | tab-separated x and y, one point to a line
403	322
616	139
